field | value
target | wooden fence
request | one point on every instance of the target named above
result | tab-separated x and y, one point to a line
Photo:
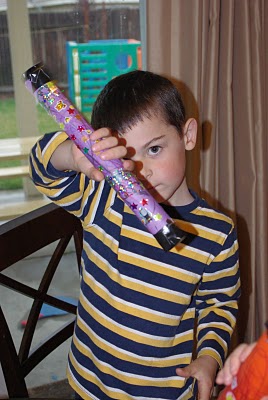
51	30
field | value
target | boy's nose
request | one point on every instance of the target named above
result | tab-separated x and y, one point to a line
142	170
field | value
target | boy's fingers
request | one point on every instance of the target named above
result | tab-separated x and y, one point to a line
184	372
128	165
100	133
93	173
104	144
113	153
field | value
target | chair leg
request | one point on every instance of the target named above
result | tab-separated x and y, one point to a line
9	360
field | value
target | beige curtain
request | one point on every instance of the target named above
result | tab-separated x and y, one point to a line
216	52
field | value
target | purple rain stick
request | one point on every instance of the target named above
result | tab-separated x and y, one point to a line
125	183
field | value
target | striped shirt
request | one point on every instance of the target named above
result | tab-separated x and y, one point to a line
142	311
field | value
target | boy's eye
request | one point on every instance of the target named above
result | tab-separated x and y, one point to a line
152	151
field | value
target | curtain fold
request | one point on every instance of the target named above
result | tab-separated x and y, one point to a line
215	52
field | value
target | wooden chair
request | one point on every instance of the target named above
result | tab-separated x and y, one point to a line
20	238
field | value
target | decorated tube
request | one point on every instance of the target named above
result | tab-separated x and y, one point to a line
125	183
251	382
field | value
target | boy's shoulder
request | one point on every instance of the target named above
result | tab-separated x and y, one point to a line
202	213
215	214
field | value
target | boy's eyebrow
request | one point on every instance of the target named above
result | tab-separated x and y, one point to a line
152	140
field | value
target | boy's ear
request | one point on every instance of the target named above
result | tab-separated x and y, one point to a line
190	133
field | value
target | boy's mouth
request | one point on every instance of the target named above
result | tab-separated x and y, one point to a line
150	188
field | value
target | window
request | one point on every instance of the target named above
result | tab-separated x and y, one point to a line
55	26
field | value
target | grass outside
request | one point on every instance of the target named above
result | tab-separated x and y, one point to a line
9	130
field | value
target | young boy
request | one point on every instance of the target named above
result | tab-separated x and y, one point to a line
141	308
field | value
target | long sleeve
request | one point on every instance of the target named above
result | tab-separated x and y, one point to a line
68	189
217	300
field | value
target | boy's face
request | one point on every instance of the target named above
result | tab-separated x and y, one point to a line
159	155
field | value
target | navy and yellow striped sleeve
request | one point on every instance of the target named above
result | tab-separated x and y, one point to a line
217	300
68	189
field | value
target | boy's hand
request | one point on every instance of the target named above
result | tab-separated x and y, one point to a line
203	369
68	156
233	362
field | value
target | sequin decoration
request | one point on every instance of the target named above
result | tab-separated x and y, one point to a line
144	202
85	138
60	105
71	110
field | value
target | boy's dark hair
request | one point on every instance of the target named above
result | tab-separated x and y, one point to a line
130	97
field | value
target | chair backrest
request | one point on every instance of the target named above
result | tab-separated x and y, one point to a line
20	238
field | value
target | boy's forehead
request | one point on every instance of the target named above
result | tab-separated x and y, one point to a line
146	126
147	132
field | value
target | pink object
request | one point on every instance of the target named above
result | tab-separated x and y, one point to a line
50	311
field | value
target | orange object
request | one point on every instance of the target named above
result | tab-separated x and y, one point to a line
251	382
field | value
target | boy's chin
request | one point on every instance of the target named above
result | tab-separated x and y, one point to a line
157	196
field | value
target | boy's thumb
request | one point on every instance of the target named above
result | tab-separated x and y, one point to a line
184	372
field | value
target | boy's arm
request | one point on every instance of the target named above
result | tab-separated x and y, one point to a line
217	301
42	171
216	298
64	187
61	172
